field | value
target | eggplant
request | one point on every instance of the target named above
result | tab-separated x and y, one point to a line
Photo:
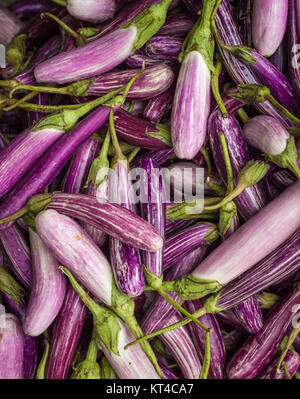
92	10
176	25
26	9
292	361
164	47
158	107
269	23
259	349
244	19
10	26
249	314
11	348
139	58
293	45
40	99
279	58
48	289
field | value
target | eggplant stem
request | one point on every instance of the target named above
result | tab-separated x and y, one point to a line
208	162
286	370
114	138
40	374
133	154
288	344
62	3
236	192
215	86
16	104
39	89
11	218
243	115
227	161
206	360
131	107
295	169
283	110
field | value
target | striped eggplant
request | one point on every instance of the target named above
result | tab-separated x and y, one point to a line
25	9
249	314
269	23
293	45
125	259
139	58
11	348
176	25
92	10
10	26
40	99
292	361
259	349
244	19
217	347
157	107
105	53
252	199
48	289
153	209
284	284
164	47
173	226
279	58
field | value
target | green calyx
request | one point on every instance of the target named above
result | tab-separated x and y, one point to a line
268	299
148	22
16	52
88	31
11	287
107	372
288	158
212	235
249	93
88	369
106	326
163	134
191	210
191	288
227	213
201	37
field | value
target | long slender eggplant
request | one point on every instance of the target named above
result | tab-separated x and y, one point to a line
26	9
259	349
11	348
139	58
249	314
293	45
153	209
157	107
279	58
48	289
176	25
269	22
292	362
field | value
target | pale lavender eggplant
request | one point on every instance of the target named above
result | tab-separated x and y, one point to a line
269	21
25	9
180	345
71	245
176	25
11	348
22	152
293	45
191	106
249	314
52	162
10	26
217	347
92	10
158	107
160	309
164	47
252	199
244	16
280	264
292	361
48	289
88	61
139	58
229	34
80	165
137	131
230	259
185	241
259	349
17	250
65	335
125	259
154	81
266	134
153	209
132	363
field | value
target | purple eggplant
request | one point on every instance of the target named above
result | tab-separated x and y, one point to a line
154	81
282	285
252	199
92	10
139	58
164	47
11	348
10	26
217	352
279	58
172	227
176	25
269	22
153	209
139	132
17	250
49	165
293	45
244	17
48	289
249	314
292	361
40	99
25	9
159	106
125	259
259	349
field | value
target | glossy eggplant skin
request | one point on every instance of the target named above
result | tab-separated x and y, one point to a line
252	199
153	210
292	361
249	314
218	354
164	47
259	349
293	45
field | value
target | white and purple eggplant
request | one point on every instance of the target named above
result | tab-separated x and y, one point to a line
176	25
164	47
48	289
269	136
259	349
269	21
11	348
92	10
292	363
153	209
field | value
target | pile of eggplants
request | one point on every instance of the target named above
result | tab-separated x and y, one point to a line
149	189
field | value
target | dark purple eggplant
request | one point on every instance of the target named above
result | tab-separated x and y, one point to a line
292	362
176	25
159	106
26	9
164	47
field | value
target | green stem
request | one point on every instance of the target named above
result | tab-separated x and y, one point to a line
294	168
230	182
290	341
92	351
236	192
80	41
283	110
133	154
130	109
40	374
114	138
171	327
297	375
286	370
208	163
206	360
105	147
62	3
243	115
215	86
16	104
